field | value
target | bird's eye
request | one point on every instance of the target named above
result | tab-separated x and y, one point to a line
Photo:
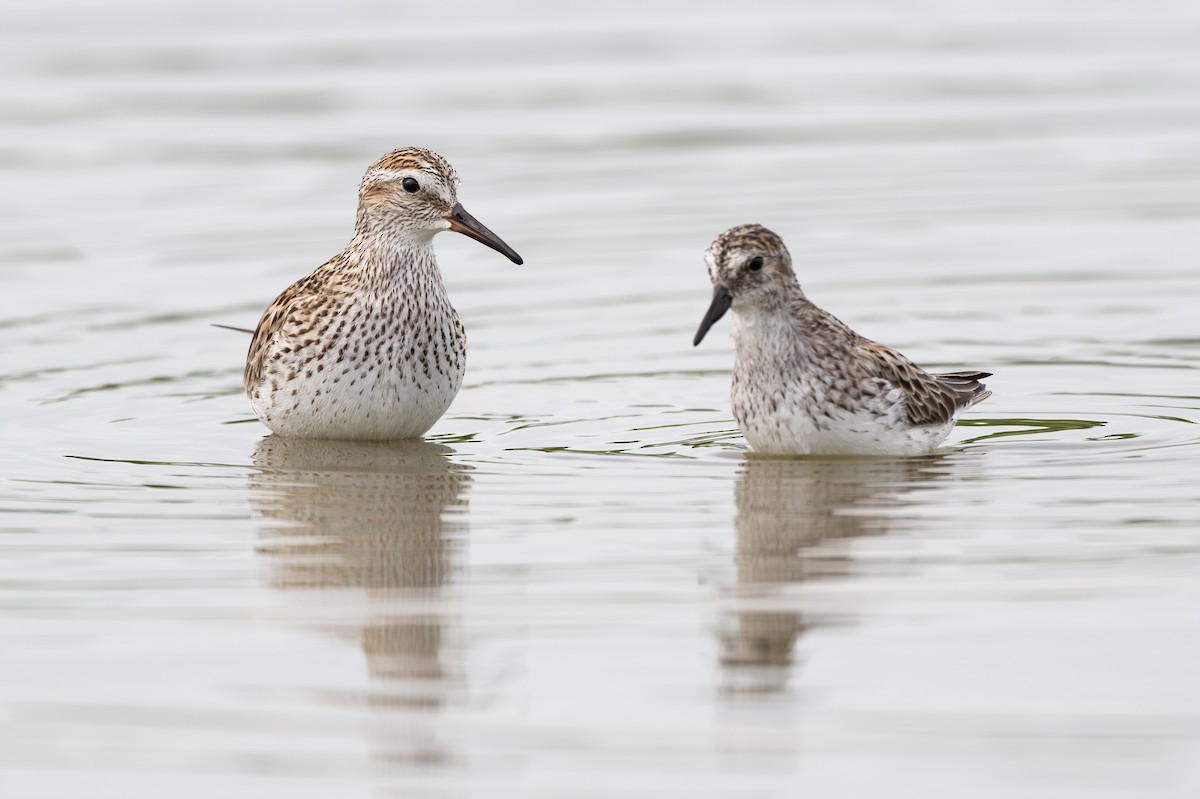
755	263
410	185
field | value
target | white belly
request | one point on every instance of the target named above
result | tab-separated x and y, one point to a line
381	405
395	386
797	432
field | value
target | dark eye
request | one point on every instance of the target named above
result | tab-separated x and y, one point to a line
755	263
410	185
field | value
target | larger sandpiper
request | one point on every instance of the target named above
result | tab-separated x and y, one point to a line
367	346
806	384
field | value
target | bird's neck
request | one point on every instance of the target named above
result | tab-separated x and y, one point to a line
770	326
382	254
758	327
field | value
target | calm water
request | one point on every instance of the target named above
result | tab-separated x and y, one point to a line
581	585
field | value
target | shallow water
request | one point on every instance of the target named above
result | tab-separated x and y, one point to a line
581	584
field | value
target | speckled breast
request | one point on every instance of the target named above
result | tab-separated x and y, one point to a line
373	370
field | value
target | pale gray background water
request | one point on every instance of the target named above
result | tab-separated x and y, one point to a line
581	586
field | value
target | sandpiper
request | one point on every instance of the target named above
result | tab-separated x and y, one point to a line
367	346
806	384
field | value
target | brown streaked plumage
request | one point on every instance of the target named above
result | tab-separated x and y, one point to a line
367	346
804	382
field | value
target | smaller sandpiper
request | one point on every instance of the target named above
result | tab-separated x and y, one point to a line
367	346
806	384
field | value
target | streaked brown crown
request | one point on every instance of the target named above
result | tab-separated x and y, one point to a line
753	237
414	158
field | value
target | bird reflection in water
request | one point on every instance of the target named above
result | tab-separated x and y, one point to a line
387	518
793	517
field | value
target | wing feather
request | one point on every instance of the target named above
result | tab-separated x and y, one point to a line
929	399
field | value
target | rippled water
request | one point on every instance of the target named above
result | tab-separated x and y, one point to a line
581	584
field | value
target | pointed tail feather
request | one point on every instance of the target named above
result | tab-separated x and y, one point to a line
966	385
234	329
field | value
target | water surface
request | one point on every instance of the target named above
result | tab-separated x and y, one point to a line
582	584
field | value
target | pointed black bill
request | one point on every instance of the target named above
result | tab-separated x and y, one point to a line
462	222
721	301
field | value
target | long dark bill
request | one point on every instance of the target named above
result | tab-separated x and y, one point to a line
462	222
721	301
